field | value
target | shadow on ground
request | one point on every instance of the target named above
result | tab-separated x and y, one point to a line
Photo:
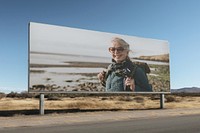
8	113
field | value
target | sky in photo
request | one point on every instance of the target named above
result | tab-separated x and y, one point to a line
176	21
66	40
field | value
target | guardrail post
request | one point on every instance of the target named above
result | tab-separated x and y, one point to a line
41	104
162	100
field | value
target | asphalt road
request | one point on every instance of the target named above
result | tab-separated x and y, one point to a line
172	124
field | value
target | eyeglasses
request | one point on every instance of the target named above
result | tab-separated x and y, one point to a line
119	49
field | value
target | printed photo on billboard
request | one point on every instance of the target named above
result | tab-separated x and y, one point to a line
64	59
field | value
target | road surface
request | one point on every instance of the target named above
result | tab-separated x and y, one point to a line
171	124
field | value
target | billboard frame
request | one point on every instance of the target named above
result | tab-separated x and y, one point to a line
42	93
79	92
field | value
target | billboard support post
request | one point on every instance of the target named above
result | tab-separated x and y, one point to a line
162	100
41	104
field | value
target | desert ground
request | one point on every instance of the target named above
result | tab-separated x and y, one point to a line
97	103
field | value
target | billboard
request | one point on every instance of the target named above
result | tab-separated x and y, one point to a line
64	59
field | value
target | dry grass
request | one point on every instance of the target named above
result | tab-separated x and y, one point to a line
184	102
113	102
18	104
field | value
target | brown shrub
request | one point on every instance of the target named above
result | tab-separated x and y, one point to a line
139	99
125	98
2	95
22	95
13	95
54	98
170	98
155	97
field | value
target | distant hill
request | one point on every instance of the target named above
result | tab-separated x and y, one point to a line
162	58
186	90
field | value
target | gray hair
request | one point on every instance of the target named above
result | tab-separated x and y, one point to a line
121	42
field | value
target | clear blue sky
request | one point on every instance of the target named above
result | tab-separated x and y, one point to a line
177	21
